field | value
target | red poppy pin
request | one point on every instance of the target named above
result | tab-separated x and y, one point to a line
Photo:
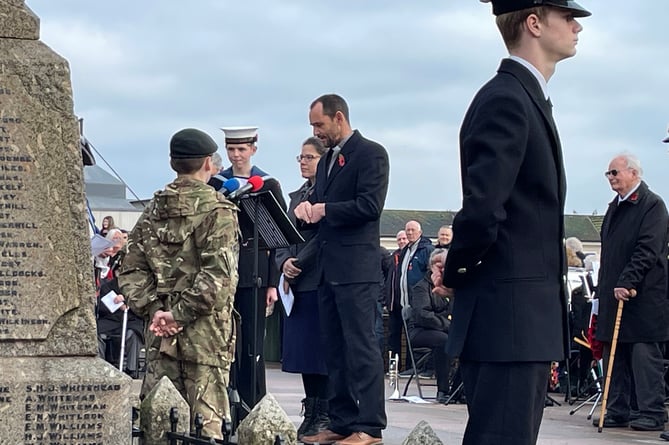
341	160
634	197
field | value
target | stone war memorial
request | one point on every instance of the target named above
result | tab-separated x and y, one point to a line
53	388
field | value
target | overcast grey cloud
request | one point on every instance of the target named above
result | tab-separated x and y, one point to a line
141	70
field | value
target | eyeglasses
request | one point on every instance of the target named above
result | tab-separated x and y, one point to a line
308	158
613	172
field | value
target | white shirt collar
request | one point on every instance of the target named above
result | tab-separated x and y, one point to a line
624	198
535	72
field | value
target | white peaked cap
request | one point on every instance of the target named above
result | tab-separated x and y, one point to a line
240	135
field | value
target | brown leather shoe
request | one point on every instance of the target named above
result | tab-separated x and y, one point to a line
360	438
325	437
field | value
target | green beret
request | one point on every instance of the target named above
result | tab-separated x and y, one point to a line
191	143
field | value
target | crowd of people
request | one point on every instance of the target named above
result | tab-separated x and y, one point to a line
488	299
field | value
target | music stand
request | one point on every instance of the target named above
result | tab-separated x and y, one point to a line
457	392
274	229
266	224
596	397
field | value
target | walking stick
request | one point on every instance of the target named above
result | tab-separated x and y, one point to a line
124	329
612	356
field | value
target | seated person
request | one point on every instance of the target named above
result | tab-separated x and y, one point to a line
110	324
429	323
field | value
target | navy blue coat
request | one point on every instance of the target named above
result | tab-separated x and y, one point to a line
507	261
419	265
634	256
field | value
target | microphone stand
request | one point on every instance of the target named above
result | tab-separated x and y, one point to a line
257	283
271	227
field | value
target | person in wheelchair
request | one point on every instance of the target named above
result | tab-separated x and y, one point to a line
429	321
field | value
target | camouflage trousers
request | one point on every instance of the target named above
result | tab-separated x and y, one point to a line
204	387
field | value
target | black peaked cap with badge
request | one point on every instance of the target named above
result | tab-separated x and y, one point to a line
503	6
191	143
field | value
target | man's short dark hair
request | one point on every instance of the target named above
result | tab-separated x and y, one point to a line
331	104
187	166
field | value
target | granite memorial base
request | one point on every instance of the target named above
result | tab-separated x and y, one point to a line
64	401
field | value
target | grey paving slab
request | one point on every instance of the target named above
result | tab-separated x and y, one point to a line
558	427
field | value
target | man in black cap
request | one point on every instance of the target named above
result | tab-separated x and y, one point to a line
180	274
507	262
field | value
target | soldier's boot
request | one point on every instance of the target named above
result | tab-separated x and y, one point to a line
309	410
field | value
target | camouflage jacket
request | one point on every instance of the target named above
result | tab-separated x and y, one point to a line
182	256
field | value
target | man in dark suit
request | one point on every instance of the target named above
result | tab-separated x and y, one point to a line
351	187
506	262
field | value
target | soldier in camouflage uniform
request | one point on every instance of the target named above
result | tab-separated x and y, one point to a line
180	274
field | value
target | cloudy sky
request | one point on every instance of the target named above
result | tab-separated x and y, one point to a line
142	70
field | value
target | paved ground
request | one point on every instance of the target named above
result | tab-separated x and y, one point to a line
558	427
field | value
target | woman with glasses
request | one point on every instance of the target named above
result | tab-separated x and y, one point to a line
302	351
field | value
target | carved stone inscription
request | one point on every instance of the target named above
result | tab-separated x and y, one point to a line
27	262
60	410
65	414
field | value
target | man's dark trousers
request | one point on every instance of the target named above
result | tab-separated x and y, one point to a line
354	362
637	370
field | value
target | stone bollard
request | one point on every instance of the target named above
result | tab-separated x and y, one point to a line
422	434
154	417
265	422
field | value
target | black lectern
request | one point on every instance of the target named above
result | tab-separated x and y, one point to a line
265	224
263	220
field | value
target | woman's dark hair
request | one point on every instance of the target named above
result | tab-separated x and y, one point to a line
317	144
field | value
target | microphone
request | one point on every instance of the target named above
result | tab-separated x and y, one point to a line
230	186
254	184
216	182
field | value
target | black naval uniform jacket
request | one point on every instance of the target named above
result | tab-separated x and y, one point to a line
634	256
507	261
267	270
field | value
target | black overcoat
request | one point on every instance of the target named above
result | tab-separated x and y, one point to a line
634	256
348	236
507	261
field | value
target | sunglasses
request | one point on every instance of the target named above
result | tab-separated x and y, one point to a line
613	172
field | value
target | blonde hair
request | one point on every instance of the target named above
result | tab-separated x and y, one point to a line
572	259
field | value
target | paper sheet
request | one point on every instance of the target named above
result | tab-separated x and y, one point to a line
287	297
411	399
99	244
108	300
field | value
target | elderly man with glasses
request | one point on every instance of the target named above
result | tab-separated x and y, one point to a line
634	257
